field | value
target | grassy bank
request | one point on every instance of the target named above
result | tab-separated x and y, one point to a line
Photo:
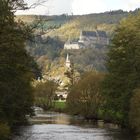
59	106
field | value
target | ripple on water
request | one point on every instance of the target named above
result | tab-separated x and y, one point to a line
65	132
60	129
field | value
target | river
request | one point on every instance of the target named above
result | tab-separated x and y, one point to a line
59	126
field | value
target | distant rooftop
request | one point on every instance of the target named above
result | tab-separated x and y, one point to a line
89	33
102	33
71	42
94	33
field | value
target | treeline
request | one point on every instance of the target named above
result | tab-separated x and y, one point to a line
106	21
88	59
46	21
113	96
45	46
16	72
75	23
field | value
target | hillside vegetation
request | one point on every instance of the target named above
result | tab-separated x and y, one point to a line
70	26
103	21
54	31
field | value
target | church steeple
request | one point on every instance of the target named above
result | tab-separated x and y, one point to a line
68	64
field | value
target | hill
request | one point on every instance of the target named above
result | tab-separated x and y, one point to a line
103	21
66	26
56	30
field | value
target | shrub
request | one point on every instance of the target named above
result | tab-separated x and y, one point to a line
134	114
4	131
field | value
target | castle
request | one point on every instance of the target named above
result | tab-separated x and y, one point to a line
88	39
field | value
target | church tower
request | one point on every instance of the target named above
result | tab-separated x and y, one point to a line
81	37
68	64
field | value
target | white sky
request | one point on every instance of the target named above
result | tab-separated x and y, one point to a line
57	7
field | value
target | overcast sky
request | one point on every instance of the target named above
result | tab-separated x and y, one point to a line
57	7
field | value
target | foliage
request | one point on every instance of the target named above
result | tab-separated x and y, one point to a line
59	106
4	131
47	21
84	97
104	21
15	67
134	114
88	59
58	29
69	26
123	69
44	94
51	47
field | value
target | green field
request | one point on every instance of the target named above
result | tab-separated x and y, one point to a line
59	105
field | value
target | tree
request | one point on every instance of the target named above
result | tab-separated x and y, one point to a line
134	114
16	73
123	69
45	94
84	97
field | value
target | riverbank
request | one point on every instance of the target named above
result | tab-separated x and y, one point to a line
41	117
60	107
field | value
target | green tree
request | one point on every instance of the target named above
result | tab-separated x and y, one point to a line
134	114
84	97
44	94
4	131
123	69
15	66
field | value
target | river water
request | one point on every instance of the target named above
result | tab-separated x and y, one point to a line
59	126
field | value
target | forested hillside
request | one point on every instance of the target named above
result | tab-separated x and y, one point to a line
54	31
103	21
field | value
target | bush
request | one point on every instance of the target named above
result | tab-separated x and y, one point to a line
4	131
44	94
134	114
84	97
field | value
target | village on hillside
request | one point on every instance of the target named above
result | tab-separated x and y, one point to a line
87	39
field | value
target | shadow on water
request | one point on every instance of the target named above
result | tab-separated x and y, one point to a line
59	126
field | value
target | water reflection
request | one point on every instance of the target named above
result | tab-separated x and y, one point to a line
51	118
55	126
